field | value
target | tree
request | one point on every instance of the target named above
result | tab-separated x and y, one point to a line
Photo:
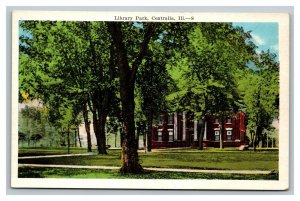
127	77
68	120
33	119
204	72
259	88
35	138
131	42
152	81
71	60
22	137
87	122
103	66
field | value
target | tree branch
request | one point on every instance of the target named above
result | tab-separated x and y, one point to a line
143	48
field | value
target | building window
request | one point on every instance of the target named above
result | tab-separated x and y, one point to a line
159	135
216	121
170	118
228	120
171	135
229	134
217	135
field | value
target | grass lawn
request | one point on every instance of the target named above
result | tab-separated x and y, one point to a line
227	159
28	172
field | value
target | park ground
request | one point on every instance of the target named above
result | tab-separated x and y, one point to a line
205	164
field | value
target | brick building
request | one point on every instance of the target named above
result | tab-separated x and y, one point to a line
180	130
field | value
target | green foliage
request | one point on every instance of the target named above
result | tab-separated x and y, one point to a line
260	92
197	67
35	128
153	80
64	59
22	136
36	137
67	65
204	71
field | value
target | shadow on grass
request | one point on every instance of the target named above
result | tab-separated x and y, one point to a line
30	172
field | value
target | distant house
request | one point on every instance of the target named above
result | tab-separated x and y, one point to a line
181	130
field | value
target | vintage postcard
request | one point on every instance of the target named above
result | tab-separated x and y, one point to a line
142	100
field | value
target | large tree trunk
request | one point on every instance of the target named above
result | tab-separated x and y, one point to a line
130	159
87	127
99	129
102	134
149	131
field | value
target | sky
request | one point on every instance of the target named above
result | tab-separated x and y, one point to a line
264	35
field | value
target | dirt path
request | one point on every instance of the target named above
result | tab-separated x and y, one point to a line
152	169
